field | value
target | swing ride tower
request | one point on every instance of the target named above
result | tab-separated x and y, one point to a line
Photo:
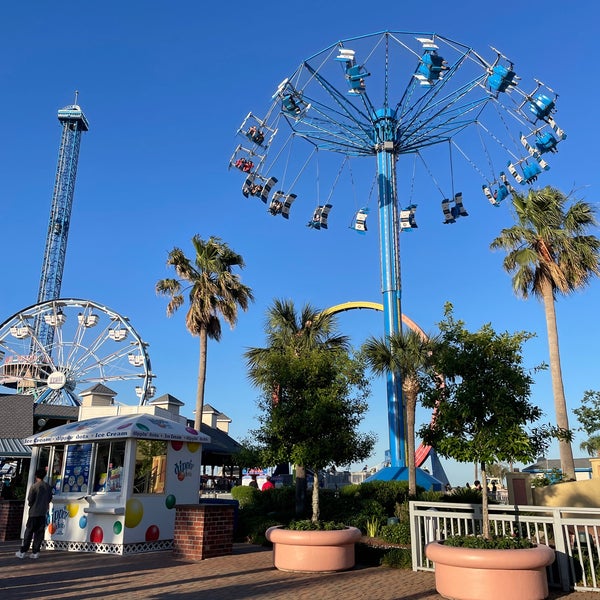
349	99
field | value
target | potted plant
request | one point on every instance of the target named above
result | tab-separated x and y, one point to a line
483	415
313	399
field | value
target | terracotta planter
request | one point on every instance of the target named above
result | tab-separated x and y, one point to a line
473	574
313	551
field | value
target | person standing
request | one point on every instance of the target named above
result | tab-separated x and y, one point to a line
267	485
38	499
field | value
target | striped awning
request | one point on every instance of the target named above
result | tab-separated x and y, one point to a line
13	448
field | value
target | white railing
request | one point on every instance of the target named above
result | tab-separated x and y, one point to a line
574	533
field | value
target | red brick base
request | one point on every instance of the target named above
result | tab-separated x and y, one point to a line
11	518
203	531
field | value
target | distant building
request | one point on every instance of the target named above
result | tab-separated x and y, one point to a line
583	468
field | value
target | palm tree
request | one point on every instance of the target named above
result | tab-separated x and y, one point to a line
409	354
549	252
214	290
290	331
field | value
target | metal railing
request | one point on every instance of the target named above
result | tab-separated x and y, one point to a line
574	533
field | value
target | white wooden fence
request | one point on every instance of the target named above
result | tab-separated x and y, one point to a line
574	533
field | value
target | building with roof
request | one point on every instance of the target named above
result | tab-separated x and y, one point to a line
20	418
547	466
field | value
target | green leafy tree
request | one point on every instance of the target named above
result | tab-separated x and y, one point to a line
588	414
549	252
215	290
313	394
483	413
410	354
290	330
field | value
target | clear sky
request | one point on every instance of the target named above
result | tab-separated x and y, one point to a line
165	86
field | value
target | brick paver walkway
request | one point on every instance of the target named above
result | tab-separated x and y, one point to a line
247	574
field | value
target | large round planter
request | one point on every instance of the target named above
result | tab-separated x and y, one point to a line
473	574
313	551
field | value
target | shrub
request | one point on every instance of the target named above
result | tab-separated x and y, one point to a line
308	525
462	495
244	494
386	493
494	542
398	533
254	529
431	496
398	558
369	509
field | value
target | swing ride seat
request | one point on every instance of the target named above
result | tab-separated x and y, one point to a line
276	204
247	186
513	171
355	73
535	152
289	104
546	142
319	218
458	210
502	193
257	137
264	195
541	106
451	213
448	216
281	204
407	218
346	55
531	172
360	221
430	69
356	79
490	196
501	78
289	200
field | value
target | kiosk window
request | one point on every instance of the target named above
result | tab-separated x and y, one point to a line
108	472
76	469
43	458
55	475
150	467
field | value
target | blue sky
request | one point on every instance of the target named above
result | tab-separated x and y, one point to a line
165	87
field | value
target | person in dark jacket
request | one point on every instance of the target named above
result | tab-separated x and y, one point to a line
38	499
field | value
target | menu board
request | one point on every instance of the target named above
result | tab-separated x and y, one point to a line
77	468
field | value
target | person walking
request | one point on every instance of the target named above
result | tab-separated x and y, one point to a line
38	499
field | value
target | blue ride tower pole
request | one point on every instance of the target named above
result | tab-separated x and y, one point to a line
385	127
73	123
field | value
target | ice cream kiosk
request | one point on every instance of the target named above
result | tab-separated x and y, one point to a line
117	480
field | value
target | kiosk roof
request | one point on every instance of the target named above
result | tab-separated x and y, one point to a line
141	425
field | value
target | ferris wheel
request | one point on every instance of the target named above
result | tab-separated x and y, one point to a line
420	97
91	344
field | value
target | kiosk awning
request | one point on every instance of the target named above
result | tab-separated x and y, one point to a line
13	448
142	426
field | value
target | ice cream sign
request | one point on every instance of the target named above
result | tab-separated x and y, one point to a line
58	520
183	469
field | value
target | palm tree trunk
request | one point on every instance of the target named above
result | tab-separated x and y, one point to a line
560	405
201	379
411	405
